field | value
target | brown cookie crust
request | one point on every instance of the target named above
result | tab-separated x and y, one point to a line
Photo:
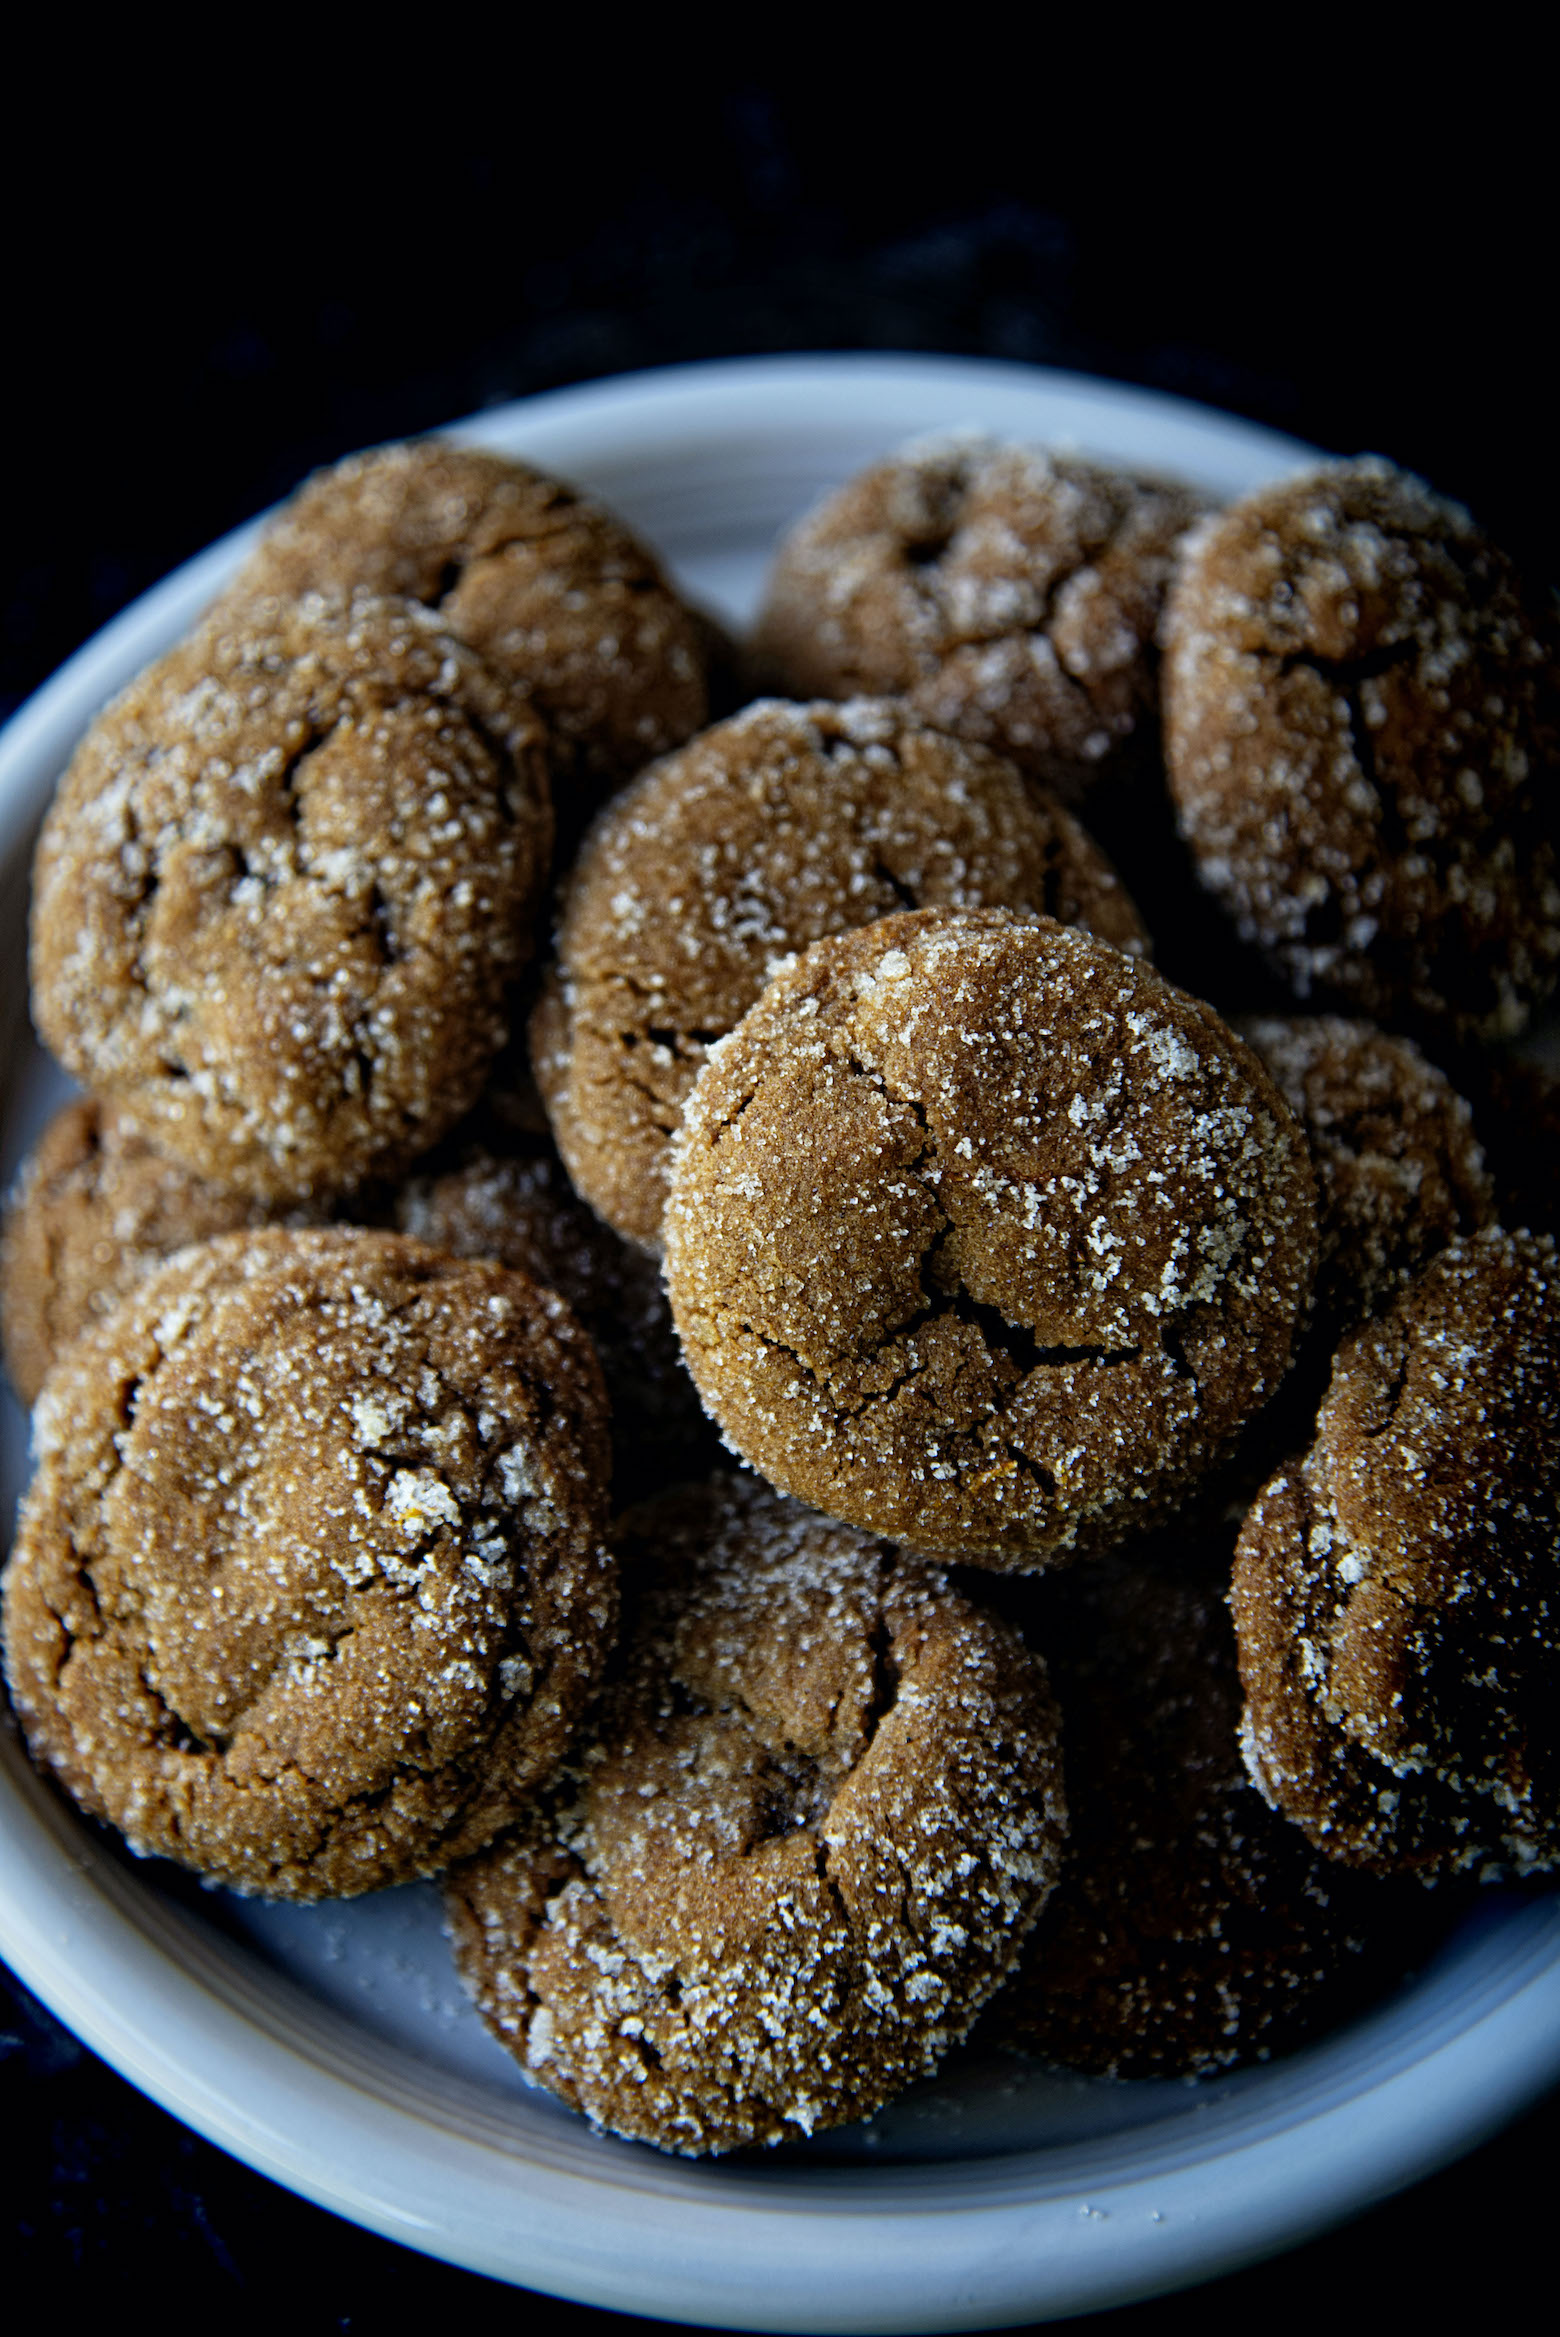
281	891
1362	728
94	1209
550	589
983	1236
765	834
1013	596
1192	1929
521	1211
1396	1587
1399	1170
821	1810
310	1587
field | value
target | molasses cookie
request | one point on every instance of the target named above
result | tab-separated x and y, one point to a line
1013	596
1191	1928
1399	1170
771	830
1397	1587
310	1588
521	1211
282	890
549	588
821	1808
95	1208
983	1236
1362	725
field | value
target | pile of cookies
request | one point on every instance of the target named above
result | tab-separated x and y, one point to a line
510	1062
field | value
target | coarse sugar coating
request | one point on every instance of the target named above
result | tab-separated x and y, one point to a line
282	889
550	589
95	1208
1399	1170
310	1585
521	1210
1362	727
1396	1587
763	835
983	1236
821	1808
1011	595
1191	1928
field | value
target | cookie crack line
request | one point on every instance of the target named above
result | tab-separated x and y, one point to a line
1346	673
1394	1396
891	883
664	1034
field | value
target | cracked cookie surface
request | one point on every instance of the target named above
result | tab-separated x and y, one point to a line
821	1807
281	891
310	1584
1396	1587
1362	727
545	584
765	834
983	1236
1011	595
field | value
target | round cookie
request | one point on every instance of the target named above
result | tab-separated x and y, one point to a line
1191	1928
983	1236
768	832
820	1811
522	1211
548	587
282	889
1399	1170
1013	596
310	1588
94	1209
1396	1588
1362	727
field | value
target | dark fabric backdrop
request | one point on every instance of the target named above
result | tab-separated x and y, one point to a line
208	294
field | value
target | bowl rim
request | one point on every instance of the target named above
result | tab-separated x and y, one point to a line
246	2060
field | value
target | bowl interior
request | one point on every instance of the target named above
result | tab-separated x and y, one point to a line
332	2046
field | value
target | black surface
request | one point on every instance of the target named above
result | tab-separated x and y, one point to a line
211	291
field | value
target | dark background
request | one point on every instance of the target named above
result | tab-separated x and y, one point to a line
212	287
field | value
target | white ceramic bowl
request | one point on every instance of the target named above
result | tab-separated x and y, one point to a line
331	2047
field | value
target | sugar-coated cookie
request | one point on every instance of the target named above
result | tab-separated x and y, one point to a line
985	1237
283	888
310	1585
816	1814
763	835
1362	727
1396	1587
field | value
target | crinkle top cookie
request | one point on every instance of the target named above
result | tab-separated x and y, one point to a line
1397	1587
1399	1170
983	1236
818	1811
764	834
1011	595
1362	725
551	589
310	1585
281	891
